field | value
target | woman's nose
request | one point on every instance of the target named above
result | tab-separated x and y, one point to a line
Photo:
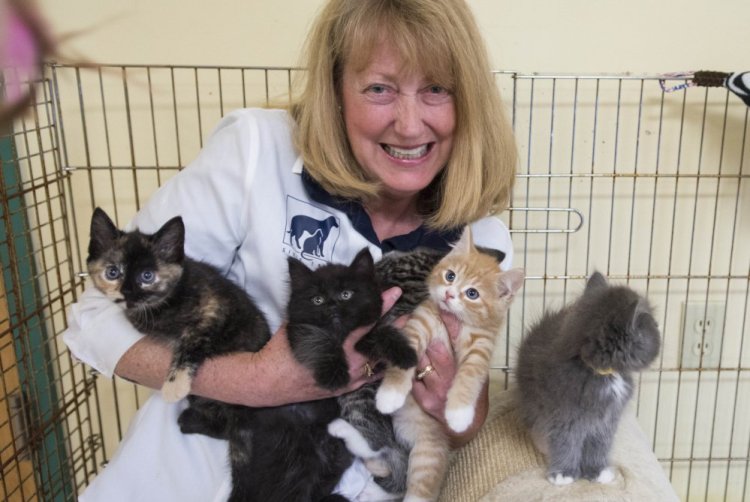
409	120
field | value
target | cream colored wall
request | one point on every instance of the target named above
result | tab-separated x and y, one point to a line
578	36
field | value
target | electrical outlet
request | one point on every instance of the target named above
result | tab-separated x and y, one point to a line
702	325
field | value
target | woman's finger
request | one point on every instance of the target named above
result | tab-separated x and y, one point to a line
361	369
390	297
452	324
441	358
437	369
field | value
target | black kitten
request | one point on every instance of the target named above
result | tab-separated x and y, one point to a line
301	459
326	305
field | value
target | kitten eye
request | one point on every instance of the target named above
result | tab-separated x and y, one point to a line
147	277
450	276
318	300
112	273
472	294
346	294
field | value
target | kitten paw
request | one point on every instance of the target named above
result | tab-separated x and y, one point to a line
378	467
559	479
459	419
388	400
177	386
339	428
353	439
332	379
606	476
404	357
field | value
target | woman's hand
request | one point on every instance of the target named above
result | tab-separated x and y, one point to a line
431	390
292	382
361	370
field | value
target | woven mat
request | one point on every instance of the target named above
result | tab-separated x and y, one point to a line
500	450
501	464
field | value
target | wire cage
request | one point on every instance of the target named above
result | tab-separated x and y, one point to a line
649	187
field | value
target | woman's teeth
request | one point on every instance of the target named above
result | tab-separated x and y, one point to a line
406	153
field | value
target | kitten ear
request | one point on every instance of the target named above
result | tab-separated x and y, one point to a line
596	282
169	241
363	263
511	281
298	271
639	308
465	244
498	255
103	233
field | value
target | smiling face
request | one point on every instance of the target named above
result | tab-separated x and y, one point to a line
400	124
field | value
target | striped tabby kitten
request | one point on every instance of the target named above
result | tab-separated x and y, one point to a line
368	433
470	285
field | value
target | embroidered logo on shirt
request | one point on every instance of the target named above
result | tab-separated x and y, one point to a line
311	233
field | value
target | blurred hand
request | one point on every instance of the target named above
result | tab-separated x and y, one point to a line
25	40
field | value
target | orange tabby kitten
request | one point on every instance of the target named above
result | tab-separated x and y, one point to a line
470	285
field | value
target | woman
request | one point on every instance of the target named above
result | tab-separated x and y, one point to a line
398	140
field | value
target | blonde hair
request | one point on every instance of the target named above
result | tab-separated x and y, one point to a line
441	38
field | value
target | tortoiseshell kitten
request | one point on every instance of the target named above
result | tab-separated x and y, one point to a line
187	304
199	313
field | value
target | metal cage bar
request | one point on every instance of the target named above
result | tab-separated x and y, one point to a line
650	187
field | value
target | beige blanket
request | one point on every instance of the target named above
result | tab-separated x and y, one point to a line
501	464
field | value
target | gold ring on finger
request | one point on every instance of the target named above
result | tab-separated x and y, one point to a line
423	373
368	370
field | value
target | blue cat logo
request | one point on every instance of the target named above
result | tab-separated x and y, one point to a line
307	233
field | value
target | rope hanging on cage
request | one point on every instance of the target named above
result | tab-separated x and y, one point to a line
737	82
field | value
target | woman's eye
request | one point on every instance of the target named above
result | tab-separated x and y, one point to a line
436	95
112	273
148	277
472	294
377	89
380	93
346	294
318	300
450	276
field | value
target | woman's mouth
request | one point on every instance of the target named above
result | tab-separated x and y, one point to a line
407	153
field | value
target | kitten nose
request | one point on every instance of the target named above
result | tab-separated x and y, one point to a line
449	295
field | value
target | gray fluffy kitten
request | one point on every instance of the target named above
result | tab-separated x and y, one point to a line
574	375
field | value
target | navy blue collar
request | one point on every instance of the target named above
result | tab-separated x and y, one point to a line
421	237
